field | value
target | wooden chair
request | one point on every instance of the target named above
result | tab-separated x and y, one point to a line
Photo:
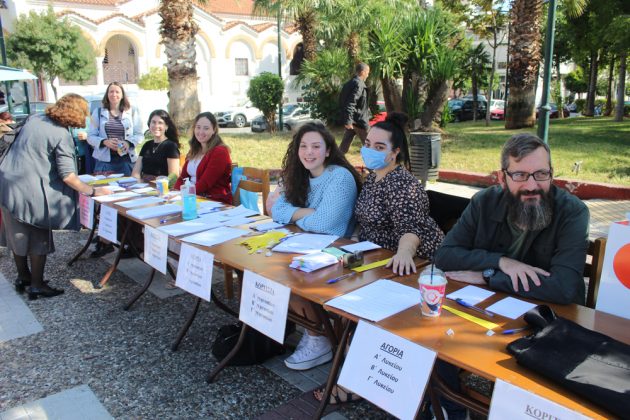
257	180
593	269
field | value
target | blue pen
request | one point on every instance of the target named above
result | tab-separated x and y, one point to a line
473	307
514	330
336	279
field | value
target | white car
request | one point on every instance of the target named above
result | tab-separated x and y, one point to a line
237	116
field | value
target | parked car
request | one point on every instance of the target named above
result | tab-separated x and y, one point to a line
497	109
19	111
380	115
293	116
462	108
553	113
237	116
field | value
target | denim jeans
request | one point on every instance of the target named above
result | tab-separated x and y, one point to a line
123	166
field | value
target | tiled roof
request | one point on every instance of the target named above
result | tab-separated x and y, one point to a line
137	19
97	2
231	7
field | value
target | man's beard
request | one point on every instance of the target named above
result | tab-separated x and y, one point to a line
531	214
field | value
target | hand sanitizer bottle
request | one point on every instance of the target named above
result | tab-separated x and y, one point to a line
189	198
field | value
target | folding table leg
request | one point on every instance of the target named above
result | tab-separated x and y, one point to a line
114	266
87	243
231	354
184	329
141	291
334	369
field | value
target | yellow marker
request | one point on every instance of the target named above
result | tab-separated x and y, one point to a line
486	324
371	265
104	181
266	240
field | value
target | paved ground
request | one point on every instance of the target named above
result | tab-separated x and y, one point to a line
81	356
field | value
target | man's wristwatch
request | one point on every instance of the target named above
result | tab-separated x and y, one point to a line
487	274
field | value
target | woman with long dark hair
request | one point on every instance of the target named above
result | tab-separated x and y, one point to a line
208	163
38	186
393	207
318	184
160	156
318	190
115	131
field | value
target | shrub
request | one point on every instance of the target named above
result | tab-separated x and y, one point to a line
155	79
265	92
580	104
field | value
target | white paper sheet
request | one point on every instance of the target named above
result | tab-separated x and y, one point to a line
155	248
143	190
264	305
114	197
360	246
139	185
194	271
215	236
471	294
129	204
511	307
115	176
205	205
305	243
189	227
87	178
387	370
115	188
263	227
108	224
156	211
378	300
240	211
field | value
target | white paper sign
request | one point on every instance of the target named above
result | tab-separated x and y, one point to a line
86	211
108	224
387	370
114	197
264	305
194	272
511	402
155	248
614	287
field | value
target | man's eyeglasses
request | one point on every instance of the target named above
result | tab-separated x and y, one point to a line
542	175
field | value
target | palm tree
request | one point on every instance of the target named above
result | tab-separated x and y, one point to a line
477	63
525	57
178	31
302	12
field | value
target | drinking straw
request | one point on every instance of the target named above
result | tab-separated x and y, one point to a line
432	265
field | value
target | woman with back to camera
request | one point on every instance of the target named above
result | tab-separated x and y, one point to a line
115	131
38	185
160	156
208	163
318	191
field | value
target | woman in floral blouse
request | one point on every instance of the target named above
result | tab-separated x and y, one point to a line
393	208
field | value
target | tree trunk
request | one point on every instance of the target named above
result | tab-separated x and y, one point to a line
178	31
525	40
391	95
609	94
621	87
492	72
560	98
475	92
306	26
353	48
54	89
437	96
589	108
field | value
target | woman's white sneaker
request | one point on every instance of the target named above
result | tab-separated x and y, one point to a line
311	351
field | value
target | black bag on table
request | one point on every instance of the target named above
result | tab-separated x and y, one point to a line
586	362
256	348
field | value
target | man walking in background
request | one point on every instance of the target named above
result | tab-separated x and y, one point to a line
353	107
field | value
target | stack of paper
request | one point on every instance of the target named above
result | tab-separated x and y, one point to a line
305	243
312	262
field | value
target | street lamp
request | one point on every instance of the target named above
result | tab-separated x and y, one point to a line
545	108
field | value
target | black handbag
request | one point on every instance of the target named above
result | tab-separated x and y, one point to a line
256	347
586	362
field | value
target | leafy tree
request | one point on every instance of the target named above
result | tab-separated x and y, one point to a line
575	81
477	64
51	48
155	79
321	81
265	92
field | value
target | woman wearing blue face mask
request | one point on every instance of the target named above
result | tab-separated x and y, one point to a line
393	208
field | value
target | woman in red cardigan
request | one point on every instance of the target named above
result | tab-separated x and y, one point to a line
208	163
